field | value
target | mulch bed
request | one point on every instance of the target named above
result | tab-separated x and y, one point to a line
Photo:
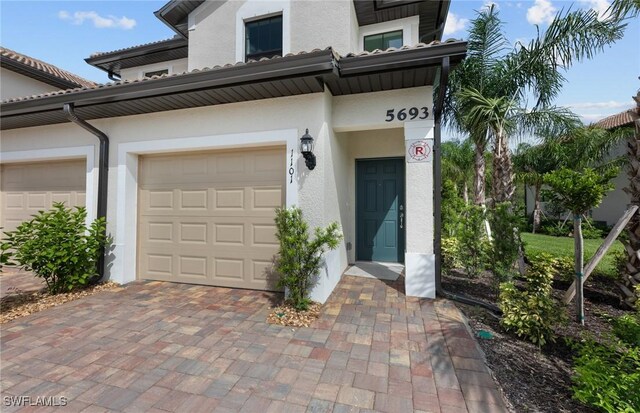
286	315
533	379
20	304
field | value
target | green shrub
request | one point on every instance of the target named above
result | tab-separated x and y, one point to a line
58	247
556	229
450	249
473	240
627	329
607	376
5	254
562	267
531	313
299	258
591	230
505	245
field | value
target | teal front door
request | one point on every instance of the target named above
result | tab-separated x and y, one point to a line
380	210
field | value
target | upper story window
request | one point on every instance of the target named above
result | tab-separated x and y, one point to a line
383	41
156	73
263	38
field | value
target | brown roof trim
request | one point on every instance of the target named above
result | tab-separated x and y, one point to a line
315	62
160	51
40	70
279	76
175	14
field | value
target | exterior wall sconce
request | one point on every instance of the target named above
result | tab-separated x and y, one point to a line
306	147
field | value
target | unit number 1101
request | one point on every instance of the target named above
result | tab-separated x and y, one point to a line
404	113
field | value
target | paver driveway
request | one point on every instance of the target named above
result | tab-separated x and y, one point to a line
168	347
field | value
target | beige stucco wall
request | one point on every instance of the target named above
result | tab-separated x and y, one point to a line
325	194
174	66
216	31
13	85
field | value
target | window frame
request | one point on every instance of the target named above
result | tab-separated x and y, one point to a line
408	25
364	39
269	53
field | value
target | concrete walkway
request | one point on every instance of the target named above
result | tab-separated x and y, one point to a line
157	347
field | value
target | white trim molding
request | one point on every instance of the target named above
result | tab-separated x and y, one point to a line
125	267
59	154
254	10
408	25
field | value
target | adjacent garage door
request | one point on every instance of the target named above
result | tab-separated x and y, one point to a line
207	218
27	188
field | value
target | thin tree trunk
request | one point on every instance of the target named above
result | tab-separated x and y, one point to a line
536	208
465	193
579	267
478	177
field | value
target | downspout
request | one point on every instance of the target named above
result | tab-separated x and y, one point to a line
437	188
112	76
103	170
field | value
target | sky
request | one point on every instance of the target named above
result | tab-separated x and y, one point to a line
64	33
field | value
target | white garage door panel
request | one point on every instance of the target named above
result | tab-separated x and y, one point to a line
27	188
209	218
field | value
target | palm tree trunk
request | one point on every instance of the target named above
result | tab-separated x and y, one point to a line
503	182
478	177
537	210
632	246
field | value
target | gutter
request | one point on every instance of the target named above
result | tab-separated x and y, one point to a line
437	207
103	170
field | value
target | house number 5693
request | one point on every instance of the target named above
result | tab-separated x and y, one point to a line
407	113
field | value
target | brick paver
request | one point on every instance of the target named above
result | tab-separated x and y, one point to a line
162	347
13	280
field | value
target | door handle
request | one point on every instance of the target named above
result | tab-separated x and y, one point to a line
401	219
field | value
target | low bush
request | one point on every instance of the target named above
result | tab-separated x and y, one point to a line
607	376
473	240
58	247
556	229
450	249
531	313
5	254
300	257
627	329
562	267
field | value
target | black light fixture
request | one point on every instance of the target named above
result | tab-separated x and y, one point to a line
306	147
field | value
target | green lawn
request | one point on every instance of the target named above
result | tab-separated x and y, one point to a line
560	246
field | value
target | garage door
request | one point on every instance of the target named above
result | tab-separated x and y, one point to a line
207	218
27	188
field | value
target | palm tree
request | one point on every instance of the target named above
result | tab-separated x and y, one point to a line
487	94
457	158
632	245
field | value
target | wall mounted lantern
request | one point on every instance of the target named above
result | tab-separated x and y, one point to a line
306	147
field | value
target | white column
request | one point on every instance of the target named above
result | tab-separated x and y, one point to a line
419	258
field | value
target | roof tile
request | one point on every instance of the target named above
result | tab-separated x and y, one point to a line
44	67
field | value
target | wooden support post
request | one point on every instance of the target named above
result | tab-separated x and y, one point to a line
579	267
602	250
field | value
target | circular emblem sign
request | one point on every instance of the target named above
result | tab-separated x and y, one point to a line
419	151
